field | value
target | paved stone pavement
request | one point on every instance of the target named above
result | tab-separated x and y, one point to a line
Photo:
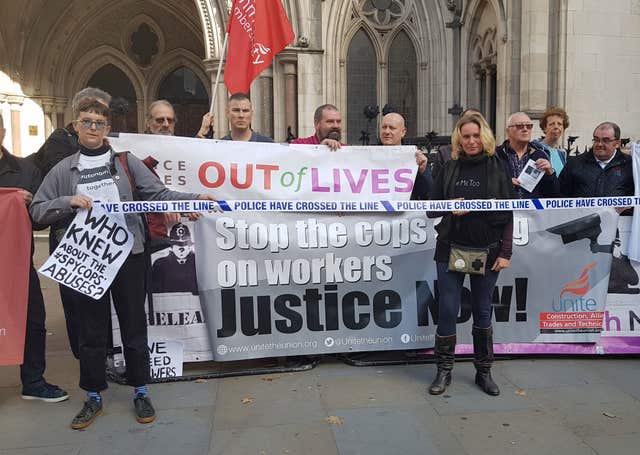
547	406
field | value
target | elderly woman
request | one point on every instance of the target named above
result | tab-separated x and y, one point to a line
476	243
553	123
96	171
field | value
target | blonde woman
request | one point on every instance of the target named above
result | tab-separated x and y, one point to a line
474	172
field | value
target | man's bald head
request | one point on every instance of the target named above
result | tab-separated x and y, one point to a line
392	129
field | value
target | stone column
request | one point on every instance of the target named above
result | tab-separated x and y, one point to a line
486	78
15	104
60	107
534	56
48	111
290	72
477	80
310	89
265	81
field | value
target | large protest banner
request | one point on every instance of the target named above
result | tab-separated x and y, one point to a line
258	171
323	284
15	244
553	296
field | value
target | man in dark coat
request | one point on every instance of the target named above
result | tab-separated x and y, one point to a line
518	149
602	171
19	173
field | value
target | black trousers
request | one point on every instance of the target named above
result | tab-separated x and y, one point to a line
68	297
92	317
33	366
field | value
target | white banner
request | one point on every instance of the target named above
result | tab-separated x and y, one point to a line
91	252
264	171
295	283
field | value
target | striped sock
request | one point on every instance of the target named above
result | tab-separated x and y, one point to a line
143	389
94	396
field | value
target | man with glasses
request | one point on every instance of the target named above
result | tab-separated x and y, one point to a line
161	118
518	149
602	171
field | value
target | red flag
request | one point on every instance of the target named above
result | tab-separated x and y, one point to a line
15	244
258	30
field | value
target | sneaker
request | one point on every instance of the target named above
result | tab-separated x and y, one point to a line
46	392
92	408
144	409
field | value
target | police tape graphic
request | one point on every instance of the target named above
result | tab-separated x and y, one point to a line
472	205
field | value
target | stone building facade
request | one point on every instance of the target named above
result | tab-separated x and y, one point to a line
427	58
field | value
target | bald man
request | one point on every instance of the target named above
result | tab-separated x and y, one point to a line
392	131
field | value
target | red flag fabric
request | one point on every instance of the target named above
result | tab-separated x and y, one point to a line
15	245
258	30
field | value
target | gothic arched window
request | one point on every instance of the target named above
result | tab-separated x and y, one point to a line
403	75
190	100
124	111
362	85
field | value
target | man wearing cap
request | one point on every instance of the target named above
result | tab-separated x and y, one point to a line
176	272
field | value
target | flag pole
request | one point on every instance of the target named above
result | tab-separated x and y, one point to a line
215	87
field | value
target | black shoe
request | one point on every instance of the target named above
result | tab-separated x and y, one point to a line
46	392
444	351
92	408
486	383
440	383
483	359
144	409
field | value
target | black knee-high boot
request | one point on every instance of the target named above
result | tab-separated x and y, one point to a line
445	353
483	358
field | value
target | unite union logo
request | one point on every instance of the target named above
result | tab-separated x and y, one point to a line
580	286
575	291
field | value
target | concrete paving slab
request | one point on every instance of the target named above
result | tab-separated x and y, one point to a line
383	431
292	439
456	401
532	373
268	400
623	374
47	450
35	424
518	432
175	431
557	397
375	390
627	444
606	419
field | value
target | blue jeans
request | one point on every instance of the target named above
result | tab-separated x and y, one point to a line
450	289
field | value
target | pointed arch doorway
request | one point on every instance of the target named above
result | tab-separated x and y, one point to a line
124	105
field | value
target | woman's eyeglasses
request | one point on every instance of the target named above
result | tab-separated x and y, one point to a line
87	124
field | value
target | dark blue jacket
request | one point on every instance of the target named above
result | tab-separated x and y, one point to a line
583	176
549	186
